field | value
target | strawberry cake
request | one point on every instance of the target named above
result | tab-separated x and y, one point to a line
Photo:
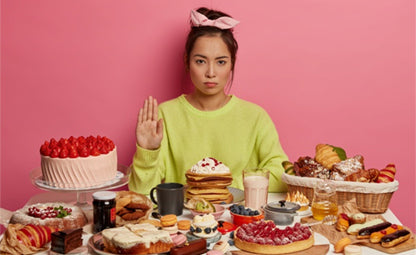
263	237
78	162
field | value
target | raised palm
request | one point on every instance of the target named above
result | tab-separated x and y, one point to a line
149	130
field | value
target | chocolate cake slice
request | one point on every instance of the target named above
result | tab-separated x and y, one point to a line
66	240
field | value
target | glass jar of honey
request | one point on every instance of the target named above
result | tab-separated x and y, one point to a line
324	203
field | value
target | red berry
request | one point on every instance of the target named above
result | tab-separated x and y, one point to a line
54	153
73	153
64	153
94	152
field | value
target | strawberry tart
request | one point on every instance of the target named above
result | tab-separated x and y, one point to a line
57	215
78	162
263	237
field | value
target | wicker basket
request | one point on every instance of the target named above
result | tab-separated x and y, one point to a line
370	197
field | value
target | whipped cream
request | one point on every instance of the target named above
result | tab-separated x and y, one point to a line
209	165
204	223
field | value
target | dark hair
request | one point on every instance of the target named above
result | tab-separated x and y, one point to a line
225	34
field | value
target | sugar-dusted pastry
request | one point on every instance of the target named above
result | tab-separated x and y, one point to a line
350	165
387	174
328	155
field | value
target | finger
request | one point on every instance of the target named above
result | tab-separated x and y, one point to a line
155	110
145	110
159	127
140	117
150	113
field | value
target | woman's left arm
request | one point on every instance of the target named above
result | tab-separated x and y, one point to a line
270	153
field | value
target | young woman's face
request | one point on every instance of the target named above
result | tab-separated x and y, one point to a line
210	65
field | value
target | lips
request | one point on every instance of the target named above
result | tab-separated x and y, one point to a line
210	84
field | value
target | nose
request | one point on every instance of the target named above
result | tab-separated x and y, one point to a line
210	72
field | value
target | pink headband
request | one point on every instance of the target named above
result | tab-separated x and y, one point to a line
200	20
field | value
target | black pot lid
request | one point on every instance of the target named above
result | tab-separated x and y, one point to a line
282	206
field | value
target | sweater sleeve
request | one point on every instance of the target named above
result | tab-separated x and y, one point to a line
271	154
146	171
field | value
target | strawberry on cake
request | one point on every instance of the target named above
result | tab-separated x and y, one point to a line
78	162
263	237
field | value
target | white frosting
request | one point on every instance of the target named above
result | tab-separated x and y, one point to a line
140	228
133	234
203	222
79	172
209	166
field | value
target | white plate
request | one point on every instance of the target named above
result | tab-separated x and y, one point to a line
238	194
119	180
306	212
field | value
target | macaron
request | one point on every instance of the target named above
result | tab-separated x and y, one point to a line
168	220
171	229
184	224
352	250
178	239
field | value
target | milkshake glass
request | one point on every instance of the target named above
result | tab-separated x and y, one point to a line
256	186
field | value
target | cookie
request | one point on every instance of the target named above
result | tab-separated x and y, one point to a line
168	220
184	224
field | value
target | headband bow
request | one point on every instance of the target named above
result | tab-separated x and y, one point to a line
200	20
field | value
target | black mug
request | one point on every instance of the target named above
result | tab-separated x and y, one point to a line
169	198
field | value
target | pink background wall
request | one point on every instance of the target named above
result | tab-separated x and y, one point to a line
338	72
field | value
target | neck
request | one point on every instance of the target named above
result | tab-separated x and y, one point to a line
207	102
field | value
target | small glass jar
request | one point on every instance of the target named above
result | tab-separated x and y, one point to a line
324	203
104	205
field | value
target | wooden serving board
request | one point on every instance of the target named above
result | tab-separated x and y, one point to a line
334	235
316	250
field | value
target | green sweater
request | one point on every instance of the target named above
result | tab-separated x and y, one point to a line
240	134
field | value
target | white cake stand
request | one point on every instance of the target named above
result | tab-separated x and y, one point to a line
119	180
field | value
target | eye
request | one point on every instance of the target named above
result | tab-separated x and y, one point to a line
199	61
222	62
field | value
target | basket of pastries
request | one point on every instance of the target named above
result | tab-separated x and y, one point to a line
372	188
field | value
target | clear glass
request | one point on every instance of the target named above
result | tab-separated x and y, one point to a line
324	203
256	186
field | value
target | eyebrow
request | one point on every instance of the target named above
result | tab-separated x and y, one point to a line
205	57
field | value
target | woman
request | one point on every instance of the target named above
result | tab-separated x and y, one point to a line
207	122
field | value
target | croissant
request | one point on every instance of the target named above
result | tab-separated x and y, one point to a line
328	155
25	239
387	174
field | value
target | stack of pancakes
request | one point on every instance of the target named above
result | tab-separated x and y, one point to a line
211	187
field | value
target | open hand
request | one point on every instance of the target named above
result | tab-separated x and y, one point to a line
149	130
